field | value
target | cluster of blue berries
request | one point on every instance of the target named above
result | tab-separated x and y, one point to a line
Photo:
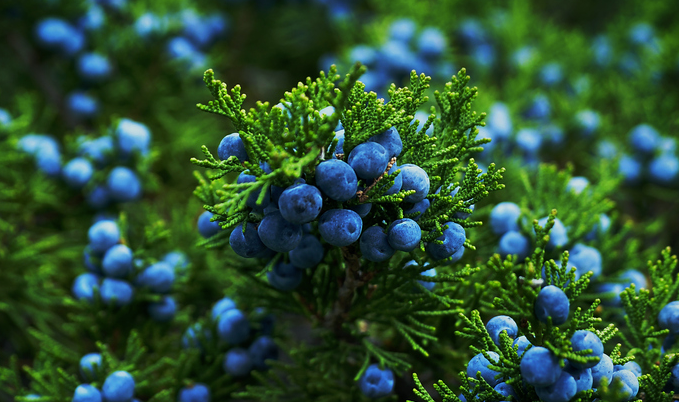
198	33
406	49
114	273
293	217
553	380
70	40
653	157
249	346
102	158
118	386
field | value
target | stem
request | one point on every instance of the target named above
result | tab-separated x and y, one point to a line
28	57
347	290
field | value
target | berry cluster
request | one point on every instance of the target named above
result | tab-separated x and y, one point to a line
117	387
405	49
101	168
334	207
114	273
248	343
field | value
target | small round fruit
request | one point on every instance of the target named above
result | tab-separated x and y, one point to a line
582	340
232	145
552	302
603	369
103	235
117	262
237	362
261	350
88	365
340	227
501	323
629	381
369	160
233	327
194	393
562	390
285	277
540	367
300	204
376	383
221	307
453	239
414	178
116	290
77	172
504	218
206	227
158	277
479	363
278	234
308	254
374	245
404	234
118	387
164	310
86	393
123	184
336	179
246	244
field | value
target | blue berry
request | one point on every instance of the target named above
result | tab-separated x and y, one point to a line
194	393
148	24
431	43
588	121
117	261
630	169
397	57
194	335
480	363
504	218
362	209
93	19
390	140
248	244
116	290
553	133
501	323
375	245
279	234
404	234
398	181
583	377
629	382
103	235
164	310
523	56
603	369
336	179
5	118
369	160
551	74
237	362
91	260
81	104
419	207
472	32
506	390
514	242
118	387
610	293
206	227
540	367
159	277
93	66
430	273
233	327
641	33
552	302
522	343
664	169
375	382
644	138
582	340
308	254
562	390
221	307
86	393
577	184
132	137
602	226
254	196
98	149
284	277
123	184
180	48
529	140
668	318
499	120
632	366
89	364
539	108
83	286
364	54
414	178
178	260
632	276
261	350
339	147
232	145
602	50
77	172
340	227
422	117
453	239
585	259
300	203
558	235
329	111
402	29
